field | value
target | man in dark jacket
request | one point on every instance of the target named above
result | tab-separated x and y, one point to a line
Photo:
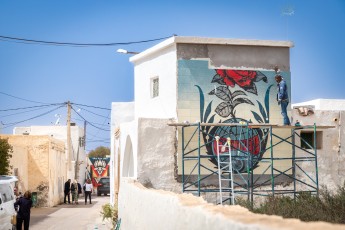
67	191
283	98
24	205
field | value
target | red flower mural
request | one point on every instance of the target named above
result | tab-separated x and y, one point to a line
243	78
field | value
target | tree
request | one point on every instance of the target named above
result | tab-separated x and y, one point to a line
5	155
100	151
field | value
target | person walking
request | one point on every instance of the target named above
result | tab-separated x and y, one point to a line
88	190
74	191
23	215
283	98
67	191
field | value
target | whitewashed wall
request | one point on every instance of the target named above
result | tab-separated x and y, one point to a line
162	65
324	104
150	209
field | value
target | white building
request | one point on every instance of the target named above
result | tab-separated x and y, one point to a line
165	76
188	79
78	153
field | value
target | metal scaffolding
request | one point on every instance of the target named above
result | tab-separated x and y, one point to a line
198	176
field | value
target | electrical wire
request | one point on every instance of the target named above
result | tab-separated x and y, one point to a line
91	106
30	107
12	114
95	113
89	122
9	95
92	122
40	115
73	44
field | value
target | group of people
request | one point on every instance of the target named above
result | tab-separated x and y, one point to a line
75	189
23	203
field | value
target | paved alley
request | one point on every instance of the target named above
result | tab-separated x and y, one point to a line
71	216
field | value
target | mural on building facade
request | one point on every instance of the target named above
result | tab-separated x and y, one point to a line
97	167
230	96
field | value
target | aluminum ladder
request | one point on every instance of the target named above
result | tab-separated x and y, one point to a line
225	169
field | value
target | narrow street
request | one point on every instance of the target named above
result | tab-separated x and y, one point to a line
71	216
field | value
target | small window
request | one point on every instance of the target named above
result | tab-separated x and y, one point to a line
155	87
307	139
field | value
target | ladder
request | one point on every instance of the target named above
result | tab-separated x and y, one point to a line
225	171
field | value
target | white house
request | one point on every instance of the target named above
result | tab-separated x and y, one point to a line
78	153
177	80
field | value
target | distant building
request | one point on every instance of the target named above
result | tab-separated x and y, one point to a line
77	158
329	142
40	165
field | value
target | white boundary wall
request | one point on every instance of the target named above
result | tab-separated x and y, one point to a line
142	208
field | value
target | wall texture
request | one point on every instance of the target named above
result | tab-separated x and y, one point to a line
60	133
331	151
141	208
41	165
157	160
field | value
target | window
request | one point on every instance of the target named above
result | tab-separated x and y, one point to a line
307	139
155	87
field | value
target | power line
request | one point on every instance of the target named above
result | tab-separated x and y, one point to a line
89	122
22	98
40	115
30	107
91	106
73	44
92	122
95	113
27	111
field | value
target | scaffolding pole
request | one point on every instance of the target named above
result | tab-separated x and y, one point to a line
198	173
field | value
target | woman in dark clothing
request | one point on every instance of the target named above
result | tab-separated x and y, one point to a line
24	204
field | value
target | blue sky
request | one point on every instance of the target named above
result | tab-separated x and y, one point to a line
97	76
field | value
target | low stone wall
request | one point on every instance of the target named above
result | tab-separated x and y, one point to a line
142	208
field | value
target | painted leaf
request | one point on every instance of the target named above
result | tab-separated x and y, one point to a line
251	89
238	93
241	100
223	109
267	102
207	112
210	121
260	76
202	103
257	117
218	79
262	110
221	92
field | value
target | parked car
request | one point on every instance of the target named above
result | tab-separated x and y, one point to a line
7	199
103	186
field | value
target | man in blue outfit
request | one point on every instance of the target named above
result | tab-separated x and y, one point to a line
283	98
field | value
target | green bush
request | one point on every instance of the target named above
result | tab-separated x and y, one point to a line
110	213
307	207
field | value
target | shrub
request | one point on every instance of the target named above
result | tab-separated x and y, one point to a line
327	207
110	212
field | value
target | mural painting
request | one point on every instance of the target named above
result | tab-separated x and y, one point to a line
230	96
98	167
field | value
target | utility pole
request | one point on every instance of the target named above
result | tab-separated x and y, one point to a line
69	146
